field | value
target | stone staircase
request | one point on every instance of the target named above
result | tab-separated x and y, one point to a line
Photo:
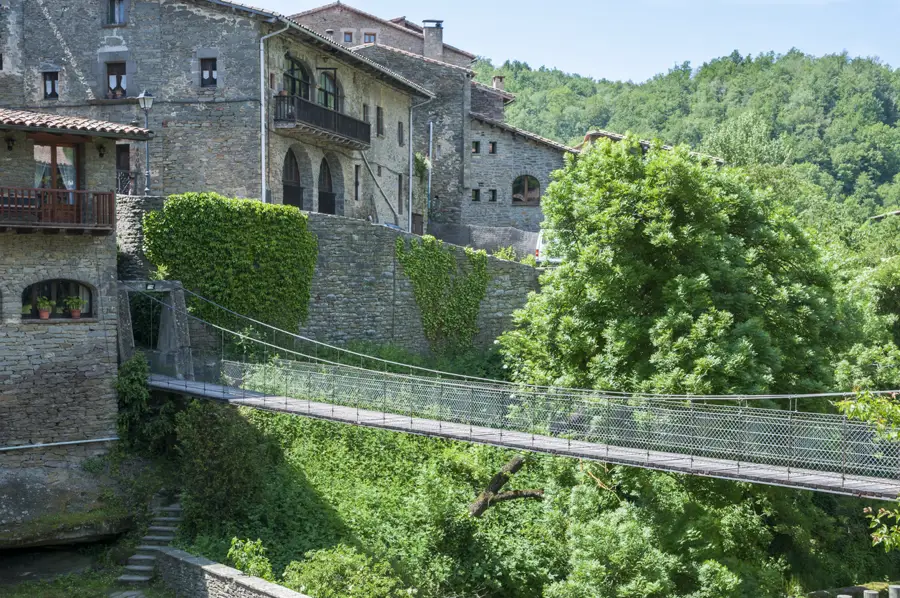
142	564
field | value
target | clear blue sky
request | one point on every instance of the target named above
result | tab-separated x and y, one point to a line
635	39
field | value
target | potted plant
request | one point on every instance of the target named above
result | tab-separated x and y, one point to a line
26	309
45	306
75	305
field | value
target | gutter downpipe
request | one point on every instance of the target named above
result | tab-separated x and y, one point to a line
431	159
263	124
412	163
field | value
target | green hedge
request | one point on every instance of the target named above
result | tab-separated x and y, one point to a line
254	258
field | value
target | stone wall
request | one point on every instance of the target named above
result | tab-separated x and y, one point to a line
449	114
189	575
56	382
359	291
516	155
487	102
489	238
130	210
343	19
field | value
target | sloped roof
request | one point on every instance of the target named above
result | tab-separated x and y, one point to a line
55	123
390	23
598	133
508	98
414	55
522	132
316	38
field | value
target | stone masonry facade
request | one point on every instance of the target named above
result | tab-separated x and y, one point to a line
206	138
360	293
493	174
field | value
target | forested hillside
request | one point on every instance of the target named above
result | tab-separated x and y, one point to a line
834	112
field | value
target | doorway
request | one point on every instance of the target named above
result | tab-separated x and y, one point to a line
326	189
292	191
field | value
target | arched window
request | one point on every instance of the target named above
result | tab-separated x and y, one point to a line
61	298
325	183
329	94
327	197
297	79
526	190
291	173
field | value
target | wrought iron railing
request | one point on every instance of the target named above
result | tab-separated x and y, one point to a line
57	208
297	109
129	182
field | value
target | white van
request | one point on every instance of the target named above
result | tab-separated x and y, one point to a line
540	253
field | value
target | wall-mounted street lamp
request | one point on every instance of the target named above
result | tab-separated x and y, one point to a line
145	101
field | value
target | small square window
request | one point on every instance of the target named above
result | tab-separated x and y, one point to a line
476	194
51	86
492	147
492	195
117	79
369	38
209	72
348	37
115	12
476	147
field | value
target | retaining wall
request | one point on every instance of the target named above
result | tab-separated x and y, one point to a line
189	575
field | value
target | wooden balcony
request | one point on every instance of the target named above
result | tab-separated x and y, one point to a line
29	210
294	112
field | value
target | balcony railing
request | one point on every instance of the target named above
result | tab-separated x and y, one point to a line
129	182
57	209
299	110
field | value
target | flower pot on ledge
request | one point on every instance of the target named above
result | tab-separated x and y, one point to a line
44	314
76	314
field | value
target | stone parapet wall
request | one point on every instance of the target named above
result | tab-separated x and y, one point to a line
130	210
189	575
359	291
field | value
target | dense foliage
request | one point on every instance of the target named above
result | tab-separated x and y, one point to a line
330	503
254	258
835	113
448	293
677	276
145	423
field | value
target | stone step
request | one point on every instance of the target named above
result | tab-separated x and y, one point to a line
165	529
162	519
140	569
142	559
128	594
148	549
158	540
134	579
169	509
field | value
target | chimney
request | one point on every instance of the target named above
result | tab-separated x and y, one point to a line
498	82
434	38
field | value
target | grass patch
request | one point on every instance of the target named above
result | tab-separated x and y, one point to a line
85	585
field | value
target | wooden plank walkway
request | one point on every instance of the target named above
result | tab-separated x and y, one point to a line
835	483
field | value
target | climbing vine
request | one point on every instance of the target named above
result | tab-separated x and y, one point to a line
448	294
254	258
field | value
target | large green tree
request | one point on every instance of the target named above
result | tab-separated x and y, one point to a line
677	276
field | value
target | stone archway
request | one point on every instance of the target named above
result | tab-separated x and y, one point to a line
331	185
297	178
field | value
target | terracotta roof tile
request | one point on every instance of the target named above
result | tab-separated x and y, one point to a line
527	134
38	121
508	97
414	55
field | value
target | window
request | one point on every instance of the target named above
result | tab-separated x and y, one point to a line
526	190
366	112
492	195
348	37
62	297
368	38
115	74
328	91
356	171
492	147
297	78
56	167
400	193
51	86
379	121
400	133
116	12
271	80
476	147
209	72
379	170
476	194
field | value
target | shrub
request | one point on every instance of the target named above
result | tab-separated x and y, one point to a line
342	572
145	423
505	253
250	558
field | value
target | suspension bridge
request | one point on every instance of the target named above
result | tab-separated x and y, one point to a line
728	437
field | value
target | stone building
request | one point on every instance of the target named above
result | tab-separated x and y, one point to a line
57	368
335	132
484	172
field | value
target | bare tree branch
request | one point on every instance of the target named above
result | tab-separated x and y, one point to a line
492	493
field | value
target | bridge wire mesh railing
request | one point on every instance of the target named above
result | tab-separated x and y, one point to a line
672	427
